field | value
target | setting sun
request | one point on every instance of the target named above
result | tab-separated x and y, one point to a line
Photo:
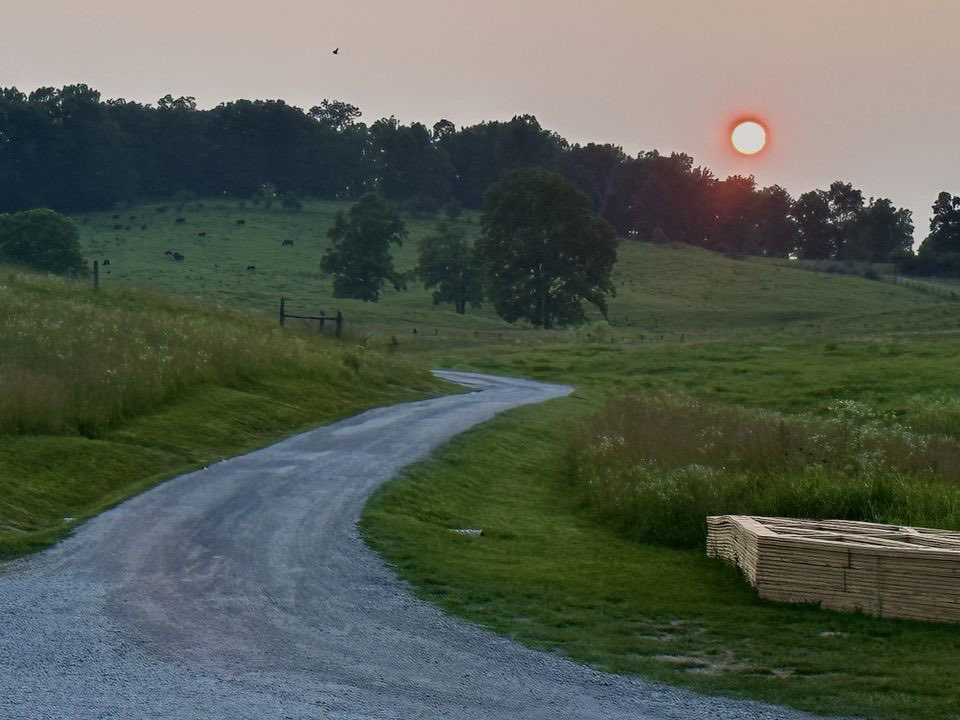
748	137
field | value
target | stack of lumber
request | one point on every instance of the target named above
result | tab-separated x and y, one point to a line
882	570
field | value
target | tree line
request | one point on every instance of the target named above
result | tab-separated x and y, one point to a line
70	150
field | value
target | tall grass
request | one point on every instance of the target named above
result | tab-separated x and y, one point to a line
655	466
72	360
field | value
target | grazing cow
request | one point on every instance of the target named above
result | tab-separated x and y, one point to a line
168	253
181	221
201	234
241	222
177	256
252	268
286	243
106	261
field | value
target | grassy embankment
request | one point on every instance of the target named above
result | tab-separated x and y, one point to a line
745	346
555	568
106	393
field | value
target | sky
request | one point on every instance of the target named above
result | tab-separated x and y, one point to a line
864	91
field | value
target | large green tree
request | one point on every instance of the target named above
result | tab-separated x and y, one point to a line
543	252
359	258
815	240
41	239
880	231
446	263
940	252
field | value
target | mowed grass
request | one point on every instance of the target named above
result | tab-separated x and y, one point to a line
105	393
546	573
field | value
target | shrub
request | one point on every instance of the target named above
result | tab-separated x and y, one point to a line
43	240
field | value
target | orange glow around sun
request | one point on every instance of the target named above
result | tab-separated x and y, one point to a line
748	136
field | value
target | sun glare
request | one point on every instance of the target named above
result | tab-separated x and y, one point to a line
748	137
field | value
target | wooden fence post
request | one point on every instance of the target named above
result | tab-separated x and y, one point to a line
339	322
96	275
282	315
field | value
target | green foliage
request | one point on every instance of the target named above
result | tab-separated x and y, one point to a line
446	263
655	467
543	252
105	393
42	240
879	233
940	252
359	258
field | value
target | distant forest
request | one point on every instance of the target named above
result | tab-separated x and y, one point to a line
68	150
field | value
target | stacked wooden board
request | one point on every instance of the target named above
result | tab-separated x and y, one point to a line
883	570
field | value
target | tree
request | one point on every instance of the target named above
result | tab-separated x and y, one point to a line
734	216
446	263
812	214
846	205
406	163
594	170
542	251
359	258
879	232
776	228
43	240
940	252
335	114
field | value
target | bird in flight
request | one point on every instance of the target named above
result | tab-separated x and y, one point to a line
336	51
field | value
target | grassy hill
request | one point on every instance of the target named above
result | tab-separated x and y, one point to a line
830	355
668	291
104	393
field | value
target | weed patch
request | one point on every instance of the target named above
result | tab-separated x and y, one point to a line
655	466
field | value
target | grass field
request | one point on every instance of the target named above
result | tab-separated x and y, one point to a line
743	335
105	393
663	293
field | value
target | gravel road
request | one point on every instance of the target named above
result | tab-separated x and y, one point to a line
243	591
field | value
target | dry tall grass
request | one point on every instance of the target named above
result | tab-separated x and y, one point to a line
72	360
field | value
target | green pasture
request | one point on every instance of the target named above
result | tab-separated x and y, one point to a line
107	392
664	294
550	571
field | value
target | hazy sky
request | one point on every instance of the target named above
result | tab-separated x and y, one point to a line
860	90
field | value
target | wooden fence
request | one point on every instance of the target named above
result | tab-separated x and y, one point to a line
322	318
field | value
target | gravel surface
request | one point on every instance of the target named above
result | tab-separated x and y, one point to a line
243	591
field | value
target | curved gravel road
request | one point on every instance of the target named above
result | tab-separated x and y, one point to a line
243	591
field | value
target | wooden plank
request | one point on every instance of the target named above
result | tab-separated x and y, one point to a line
884	570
